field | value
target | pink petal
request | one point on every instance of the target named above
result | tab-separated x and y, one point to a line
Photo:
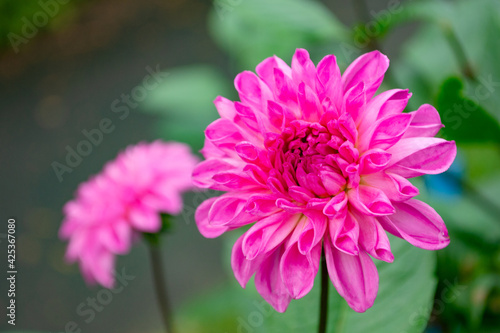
426	122
348	128
370	201
201	218
225	107
252	90
332	181
415	157
390	102
227	181
261	204
313	233
369	68
335	205
386	132
329	79
373	239
116	237
303	69
265	70
298	270
373	160
265	235
285	88
355	101
269	283
229	210
243	269
204	171
309	103
223	133
396	188
354	277
418	223
344	233
145	220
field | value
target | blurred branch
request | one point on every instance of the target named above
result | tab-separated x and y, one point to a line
459	52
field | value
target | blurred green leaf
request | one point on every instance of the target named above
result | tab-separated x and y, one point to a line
481	289
466	216
184	102
254	30
406	288
464	120
17	22
429	58
482	160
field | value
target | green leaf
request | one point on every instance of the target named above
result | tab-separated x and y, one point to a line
464	120
254	30
406	288
183	102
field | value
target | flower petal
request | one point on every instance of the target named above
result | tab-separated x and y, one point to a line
243	269
229	210
268	233
201	218
303	69
396	188
145	220
370	200
354	277
269	283
298	270
373	239
344	233
418	223
369	68
265	70
329	79
426	122
413	157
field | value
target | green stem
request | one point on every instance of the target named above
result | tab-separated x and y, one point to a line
323	307
159	282
459	52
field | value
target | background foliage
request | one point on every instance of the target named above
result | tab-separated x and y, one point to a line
446	53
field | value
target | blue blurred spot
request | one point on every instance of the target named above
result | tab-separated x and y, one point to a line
447	185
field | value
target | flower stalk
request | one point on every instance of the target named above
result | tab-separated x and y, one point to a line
159	282
323	306
154	243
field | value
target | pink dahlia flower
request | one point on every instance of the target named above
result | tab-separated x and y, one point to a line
318	162
125	200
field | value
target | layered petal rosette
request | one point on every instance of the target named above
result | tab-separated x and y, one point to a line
319	163
125	200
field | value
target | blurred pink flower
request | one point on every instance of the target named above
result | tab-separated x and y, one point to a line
315	159
113	208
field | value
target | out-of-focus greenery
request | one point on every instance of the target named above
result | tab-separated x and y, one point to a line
21	15
450	62
184	100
